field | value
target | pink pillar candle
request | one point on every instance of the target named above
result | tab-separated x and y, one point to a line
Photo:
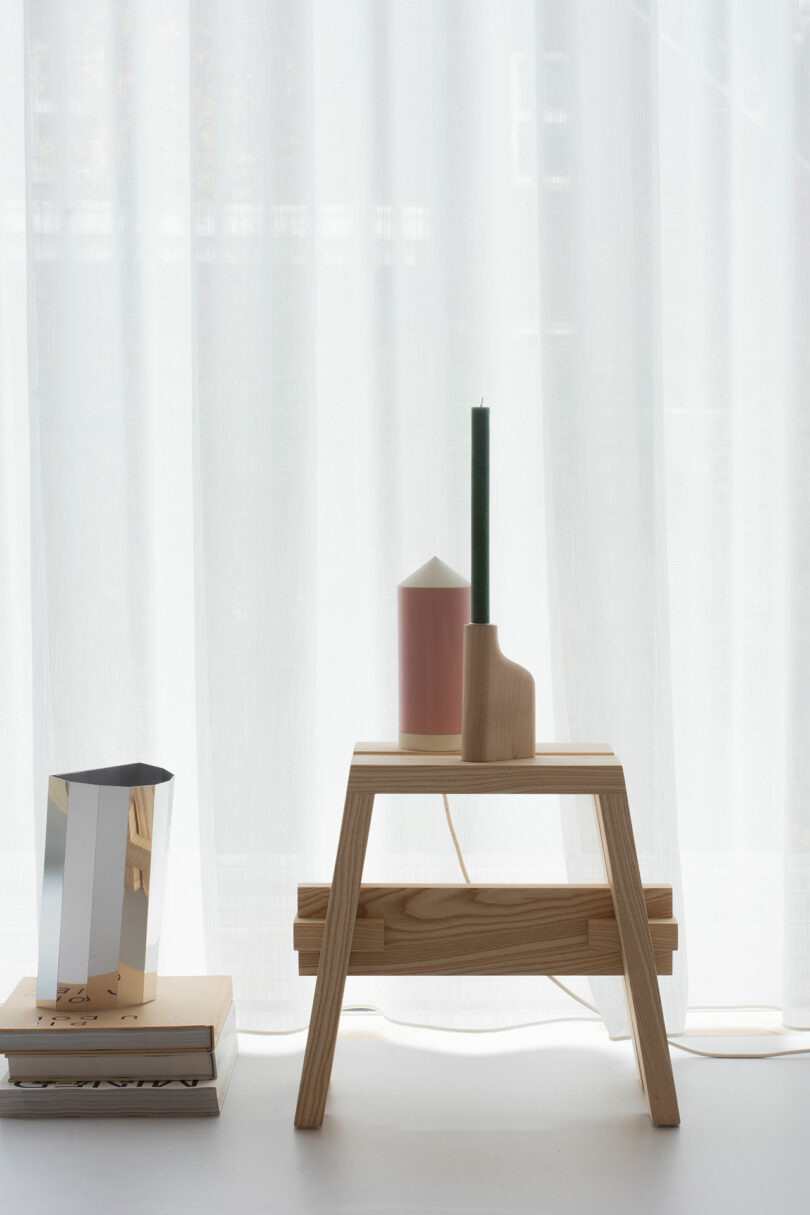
434	607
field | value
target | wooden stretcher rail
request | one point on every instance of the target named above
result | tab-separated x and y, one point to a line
419	773
484	929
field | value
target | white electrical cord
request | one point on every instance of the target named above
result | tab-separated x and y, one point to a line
678	1045
692	1050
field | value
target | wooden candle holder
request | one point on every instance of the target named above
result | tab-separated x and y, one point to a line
498	701
616	928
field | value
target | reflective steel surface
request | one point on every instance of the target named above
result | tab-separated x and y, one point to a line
106	837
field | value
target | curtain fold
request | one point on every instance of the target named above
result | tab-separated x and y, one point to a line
257	261
598	215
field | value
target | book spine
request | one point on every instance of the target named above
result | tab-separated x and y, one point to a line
223	1006
60	1069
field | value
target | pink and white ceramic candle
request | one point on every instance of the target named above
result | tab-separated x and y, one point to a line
434	607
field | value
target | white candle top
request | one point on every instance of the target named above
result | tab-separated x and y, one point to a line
435	573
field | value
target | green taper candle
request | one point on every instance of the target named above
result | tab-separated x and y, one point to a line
480	514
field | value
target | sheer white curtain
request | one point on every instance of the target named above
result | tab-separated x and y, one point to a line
256	262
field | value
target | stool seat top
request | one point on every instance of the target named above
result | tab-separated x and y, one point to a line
555	768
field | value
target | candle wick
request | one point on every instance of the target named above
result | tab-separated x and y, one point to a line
482	403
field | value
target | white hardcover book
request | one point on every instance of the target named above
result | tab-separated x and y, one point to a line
121	1098
119	1065
187	1014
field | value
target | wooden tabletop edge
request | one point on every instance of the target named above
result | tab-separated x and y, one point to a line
573	749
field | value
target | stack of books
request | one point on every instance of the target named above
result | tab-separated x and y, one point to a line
173	1056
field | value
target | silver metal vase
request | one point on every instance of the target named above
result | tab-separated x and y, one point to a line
106	840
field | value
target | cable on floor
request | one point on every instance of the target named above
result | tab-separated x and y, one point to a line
499	1029
692	1050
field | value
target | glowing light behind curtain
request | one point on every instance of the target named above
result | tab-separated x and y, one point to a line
256	261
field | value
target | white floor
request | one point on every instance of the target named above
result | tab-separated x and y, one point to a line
533	1121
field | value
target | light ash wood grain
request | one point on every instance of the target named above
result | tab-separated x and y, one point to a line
647	1015
489	956
404	905
416	773
630	1010
497	701
335	953
367	935
490	929
390	748
604	934
436	926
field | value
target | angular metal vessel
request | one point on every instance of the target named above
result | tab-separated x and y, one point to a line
106	840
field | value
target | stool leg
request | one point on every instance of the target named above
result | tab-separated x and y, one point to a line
630	1009
333	964
644	998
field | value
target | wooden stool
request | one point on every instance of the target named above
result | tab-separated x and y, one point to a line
619	928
